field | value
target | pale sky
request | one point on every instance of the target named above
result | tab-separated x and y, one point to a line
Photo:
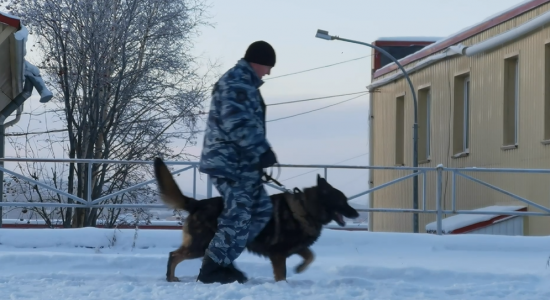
337	133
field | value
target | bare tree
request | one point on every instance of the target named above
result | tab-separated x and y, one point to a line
126	88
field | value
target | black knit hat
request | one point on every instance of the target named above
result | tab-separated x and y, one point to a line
261	53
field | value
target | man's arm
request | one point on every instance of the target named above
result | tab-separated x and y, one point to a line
242	126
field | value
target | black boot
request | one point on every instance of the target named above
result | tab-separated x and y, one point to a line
241	277
212	272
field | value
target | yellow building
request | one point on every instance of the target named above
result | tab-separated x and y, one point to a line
12	48
483	101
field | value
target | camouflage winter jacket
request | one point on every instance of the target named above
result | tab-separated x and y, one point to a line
235	134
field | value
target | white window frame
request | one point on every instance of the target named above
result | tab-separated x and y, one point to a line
428	122
466	121
516	104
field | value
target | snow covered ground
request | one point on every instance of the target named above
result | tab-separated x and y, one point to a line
91	263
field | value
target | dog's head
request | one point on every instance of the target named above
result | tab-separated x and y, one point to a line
334	203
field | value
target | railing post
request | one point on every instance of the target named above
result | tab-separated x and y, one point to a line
424	191
89	194
453	188
438	199
326	174
2	146
208	187
194	182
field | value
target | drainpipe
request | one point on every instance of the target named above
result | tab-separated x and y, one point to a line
32	79
487	45
506	37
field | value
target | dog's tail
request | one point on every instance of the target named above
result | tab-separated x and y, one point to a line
169	191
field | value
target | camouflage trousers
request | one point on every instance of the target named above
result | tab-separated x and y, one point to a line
248	209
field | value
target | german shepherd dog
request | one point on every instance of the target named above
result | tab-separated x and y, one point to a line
298	219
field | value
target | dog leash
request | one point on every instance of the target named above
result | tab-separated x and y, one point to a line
266	178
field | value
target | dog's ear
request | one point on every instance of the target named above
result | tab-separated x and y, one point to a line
322	184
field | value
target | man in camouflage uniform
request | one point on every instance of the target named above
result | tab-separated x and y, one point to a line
235	151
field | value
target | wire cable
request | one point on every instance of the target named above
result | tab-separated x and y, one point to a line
320	168
308	70
296	115
313	110
318	98
205	112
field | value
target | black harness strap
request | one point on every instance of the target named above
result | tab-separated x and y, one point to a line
266	178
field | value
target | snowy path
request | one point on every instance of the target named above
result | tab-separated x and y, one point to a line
349	265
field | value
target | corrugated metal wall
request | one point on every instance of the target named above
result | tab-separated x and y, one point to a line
486	131
6	84
513	226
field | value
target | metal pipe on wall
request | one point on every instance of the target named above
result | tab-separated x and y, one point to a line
32	80
503	38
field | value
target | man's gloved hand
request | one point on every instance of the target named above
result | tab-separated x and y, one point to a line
268	159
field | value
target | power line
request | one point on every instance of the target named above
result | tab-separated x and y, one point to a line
313	110
306	112
35	132
320	169
310	99
202	113
296	101
299	72
308	70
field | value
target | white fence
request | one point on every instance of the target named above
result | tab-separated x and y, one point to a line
88	202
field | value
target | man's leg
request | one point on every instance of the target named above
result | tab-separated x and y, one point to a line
262	212
233	223
230	239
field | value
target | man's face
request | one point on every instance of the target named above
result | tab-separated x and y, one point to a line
261	70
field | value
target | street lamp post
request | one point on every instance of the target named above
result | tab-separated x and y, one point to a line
322	34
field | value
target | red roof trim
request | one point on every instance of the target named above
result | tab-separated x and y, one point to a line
10	21
401	43
483	224
464	35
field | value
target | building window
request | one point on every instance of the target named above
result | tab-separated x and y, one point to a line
511	102
400	131
547	92
424	124
461	116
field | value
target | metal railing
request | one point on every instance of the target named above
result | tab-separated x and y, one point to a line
90	203
421	171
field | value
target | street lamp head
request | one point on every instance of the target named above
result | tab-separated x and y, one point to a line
323	34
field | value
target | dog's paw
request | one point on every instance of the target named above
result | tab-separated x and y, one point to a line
172	279
300	268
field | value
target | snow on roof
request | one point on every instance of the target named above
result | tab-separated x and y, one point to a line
410	38
435	43
9	16
455	222
22	34
505	10
10	20
459	32
479	23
